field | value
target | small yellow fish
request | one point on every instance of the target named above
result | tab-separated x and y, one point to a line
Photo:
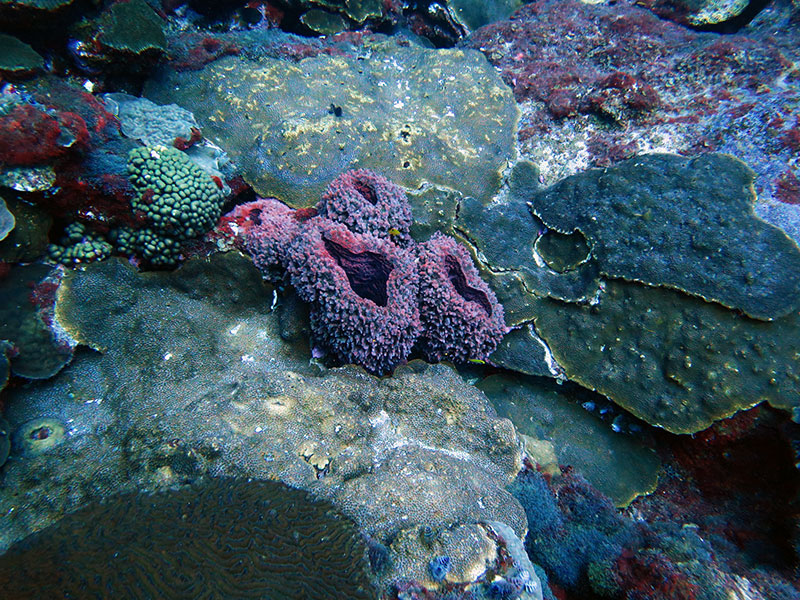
476	361
394	231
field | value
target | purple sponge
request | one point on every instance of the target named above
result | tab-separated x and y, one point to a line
461	317
367	203
267	227
362	290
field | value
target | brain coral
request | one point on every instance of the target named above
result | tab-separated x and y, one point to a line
367	203
304	547
461	317
362	290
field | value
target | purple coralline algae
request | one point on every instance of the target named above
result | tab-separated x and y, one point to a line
374	293
362	292
461	317
368	203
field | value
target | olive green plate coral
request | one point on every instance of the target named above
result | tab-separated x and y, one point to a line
409	113
682	223
616	464
674	361
675	345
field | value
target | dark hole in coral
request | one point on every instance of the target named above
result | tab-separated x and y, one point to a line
456	275
365	189
41	433
367	272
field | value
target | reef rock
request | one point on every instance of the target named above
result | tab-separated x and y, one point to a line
195	376
410	113
600	82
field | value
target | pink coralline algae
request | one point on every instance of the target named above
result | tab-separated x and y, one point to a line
362	291
460	315
368	203
374	294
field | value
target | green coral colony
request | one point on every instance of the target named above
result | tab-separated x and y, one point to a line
175	197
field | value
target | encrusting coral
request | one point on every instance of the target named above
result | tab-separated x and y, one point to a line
374	293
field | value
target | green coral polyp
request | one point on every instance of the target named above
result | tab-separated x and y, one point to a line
175	195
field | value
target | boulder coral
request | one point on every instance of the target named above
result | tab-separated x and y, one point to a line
374	293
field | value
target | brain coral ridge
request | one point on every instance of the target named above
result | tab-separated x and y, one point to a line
374	293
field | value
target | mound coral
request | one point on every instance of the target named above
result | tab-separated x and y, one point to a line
374	293
174	194
175	197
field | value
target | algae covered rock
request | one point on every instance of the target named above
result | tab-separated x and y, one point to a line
306	548
686	224
472	14
7	220
410	114
200	349
40	350
17	58
618	465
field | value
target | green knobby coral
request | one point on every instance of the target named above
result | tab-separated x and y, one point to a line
78	246
175	196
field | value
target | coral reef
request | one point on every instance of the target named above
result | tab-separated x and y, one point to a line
78	246
26	320
18	59
7	220
705	240
599	82
176	200
306	548
175	196
409	113
235	395
606	447
651	349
